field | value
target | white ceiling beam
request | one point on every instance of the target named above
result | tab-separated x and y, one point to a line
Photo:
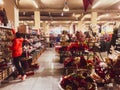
77	11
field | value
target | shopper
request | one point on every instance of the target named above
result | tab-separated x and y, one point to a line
113	40
16	54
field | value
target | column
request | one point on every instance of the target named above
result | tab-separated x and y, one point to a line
37	19
71	28
47	28
12	12
94	21
94	18
44	25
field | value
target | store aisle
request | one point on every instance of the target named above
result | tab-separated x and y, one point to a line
45	78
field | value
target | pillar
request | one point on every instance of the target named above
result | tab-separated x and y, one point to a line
94	20
12	12
47	29
71	28
44	25
37	19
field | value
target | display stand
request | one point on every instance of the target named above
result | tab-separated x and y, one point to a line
35	47
6	67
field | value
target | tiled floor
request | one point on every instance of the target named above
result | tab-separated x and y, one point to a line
46	77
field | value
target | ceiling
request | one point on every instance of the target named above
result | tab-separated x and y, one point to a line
51	10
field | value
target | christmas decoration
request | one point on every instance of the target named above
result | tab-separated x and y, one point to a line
86	3
78	81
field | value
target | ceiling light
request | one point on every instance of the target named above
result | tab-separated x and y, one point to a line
23	13
106	15
73	14
77	15
119	7
66	8
96	5
46	21
62	14
35	4
1	2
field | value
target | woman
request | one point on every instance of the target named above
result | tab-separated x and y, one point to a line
16	54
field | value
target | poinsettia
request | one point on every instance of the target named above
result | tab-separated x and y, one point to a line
68	62
83	62
75	81
80	36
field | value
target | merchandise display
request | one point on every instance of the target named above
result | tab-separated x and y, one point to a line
78	81
6	67
60	44
32	50
86	55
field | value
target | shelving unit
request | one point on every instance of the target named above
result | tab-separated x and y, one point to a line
37	41
118	40
6	67
35	48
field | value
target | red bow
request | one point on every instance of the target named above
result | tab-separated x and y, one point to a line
86	3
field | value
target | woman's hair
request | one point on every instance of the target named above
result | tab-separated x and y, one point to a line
18	35
115	31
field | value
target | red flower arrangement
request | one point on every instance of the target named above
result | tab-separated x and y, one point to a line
76	81
80	36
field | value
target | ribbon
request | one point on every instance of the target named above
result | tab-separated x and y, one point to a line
86	4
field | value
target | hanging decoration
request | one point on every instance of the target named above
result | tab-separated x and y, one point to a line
86	3
91	1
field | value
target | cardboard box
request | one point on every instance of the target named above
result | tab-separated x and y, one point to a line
23	29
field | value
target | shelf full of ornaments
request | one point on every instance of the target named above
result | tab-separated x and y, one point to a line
6	67
86	69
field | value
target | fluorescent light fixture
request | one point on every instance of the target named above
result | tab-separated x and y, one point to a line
35	4
1	2
96	5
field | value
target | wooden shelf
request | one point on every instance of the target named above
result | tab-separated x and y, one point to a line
5	69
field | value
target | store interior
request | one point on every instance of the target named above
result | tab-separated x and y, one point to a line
73	44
